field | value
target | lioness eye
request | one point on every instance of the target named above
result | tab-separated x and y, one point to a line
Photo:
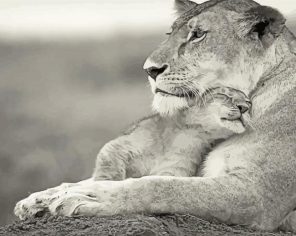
197	36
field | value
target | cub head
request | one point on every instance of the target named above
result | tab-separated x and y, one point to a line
229	43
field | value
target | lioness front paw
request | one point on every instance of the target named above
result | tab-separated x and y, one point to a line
88	198
37	204
34	205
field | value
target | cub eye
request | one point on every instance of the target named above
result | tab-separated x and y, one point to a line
196	36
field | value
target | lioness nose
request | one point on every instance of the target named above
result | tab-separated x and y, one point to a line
154	68
153	72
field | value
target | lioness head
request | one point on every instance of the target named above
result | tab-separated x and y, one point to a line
229	43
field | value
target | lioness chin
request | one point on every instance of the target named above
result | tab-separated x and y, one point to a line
231	43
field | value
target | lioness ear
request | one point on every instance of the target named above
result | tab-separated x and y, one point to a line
182	6
263	23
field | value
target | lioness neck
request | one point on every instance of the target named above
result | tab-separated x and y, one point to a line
271	87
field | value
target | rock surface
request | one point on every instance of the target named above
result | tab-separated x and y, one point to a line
138	225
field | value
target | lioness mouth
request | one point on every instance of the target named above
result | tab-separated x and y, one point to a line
188	94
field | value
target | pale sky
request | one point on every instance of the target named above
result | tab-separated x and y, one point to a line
92	18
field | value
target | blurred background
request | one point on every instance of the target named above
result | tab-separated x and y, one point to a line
71	79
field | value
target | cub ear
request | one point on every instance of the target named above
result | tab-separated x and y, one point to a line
182	6
263	23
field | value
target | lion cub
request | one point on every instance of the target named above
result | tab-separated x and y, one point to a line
174	147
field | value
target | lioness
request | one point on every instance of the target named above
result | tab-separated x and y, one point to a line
233	43
174	146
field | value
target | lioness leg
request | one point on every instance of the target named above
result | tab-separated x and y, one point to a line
228	199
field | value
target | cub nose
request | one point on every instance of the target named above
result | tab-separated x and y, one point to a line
154	71
243	107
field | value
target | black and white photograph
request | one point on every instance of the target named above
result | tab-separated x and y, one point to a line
147	117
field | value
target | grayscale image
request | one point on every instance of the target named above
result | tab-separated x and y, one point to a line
148	117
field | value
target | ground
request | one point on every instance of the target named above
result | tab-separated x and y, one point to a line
138	225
